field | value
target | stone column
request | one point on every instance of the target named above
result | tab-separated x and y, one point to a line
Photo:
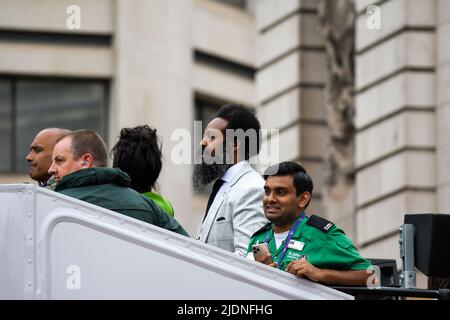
152	84
337	21
443	106
395	119
290	83
442	118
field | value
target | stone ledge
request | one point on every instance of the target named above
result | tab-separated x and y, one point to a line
395	15
406	89
51	60
386	216
269	13
396	173
395	133
407	50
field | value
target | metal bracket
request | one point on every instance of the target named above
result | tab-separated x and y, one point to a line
406	241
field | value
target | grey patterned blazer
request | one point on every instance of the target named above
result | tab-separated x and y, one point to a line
231	222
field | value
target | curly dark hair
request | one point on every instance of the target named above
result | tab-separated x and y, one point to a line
138	153
239	117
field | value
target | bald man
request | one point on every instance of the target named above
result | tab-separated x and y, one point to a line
40	156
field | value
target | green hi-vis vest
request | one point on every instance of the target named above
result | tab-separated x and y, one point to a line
162	202
322	243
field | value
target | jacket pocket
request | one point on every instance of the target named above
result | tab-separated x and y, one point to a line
222	230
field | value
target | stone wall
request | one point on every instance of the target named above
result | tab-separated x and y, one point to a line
290	83
395	120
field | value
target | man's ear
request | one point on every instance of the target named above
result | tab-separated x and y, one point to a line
304	199
88	161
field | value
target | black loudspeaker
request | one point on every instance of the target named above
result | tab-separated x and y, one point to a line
431	243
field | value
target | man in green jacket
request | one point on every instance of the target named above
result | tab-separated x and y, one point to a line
310	247
79	168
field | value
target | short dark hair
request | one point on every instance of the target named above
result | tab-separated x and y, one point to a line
88	141
239	117
138	153
301	179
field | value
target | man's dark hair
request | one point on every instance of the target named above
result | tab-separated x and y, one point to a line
301	179
87	141
239	117
138	153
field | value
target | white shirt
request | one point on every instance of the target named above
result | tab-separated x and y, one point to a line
232	171
279	237
227	177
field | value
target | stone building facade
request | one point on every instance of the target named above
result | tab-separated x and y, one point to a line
168	63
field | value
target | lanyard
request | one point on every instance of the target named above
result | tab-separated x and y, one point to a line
288	239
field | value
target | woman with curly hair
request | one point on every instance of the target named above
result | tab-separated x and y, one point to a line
138	153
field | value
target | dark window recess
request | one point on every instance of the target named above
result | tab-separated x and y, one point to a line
36	104
205	111
225	65
5	125
236	3
55	38
206	108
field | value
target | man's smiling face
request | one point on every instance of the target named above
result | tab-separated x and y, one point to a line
281	204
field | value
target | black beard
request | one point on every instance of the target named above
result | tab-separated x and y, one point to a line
205	173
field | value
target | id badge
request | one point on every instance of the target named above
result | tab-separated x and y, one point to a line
296	245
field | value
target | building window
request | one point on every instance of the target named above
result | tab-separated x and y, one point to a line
236	3
205	111
238	69
5	125
29	105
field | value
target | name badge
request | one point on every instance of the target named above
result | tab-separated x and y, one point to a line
296	245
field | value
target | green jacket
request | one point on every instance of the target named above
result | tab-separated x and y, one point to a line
109	188
322	243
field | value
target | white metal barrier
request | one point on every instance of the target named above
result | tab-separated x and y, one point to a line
56	247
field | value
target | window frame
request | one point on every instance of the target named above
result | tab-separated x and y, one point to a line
13	80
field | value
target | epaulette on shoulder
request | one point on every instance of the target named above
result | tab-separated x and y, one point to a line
320	223
263	229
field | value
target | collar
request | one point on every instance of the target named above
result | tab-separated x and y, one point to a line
93	176
271	234
44	184
233	171
301	227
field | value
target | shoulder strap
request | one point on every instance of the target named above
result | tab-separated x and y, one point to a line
320	223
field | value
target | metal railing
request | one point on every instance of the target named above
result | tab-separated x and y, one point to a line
441	294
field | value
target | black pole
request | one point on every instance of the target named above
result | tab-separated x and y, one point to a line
442	294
